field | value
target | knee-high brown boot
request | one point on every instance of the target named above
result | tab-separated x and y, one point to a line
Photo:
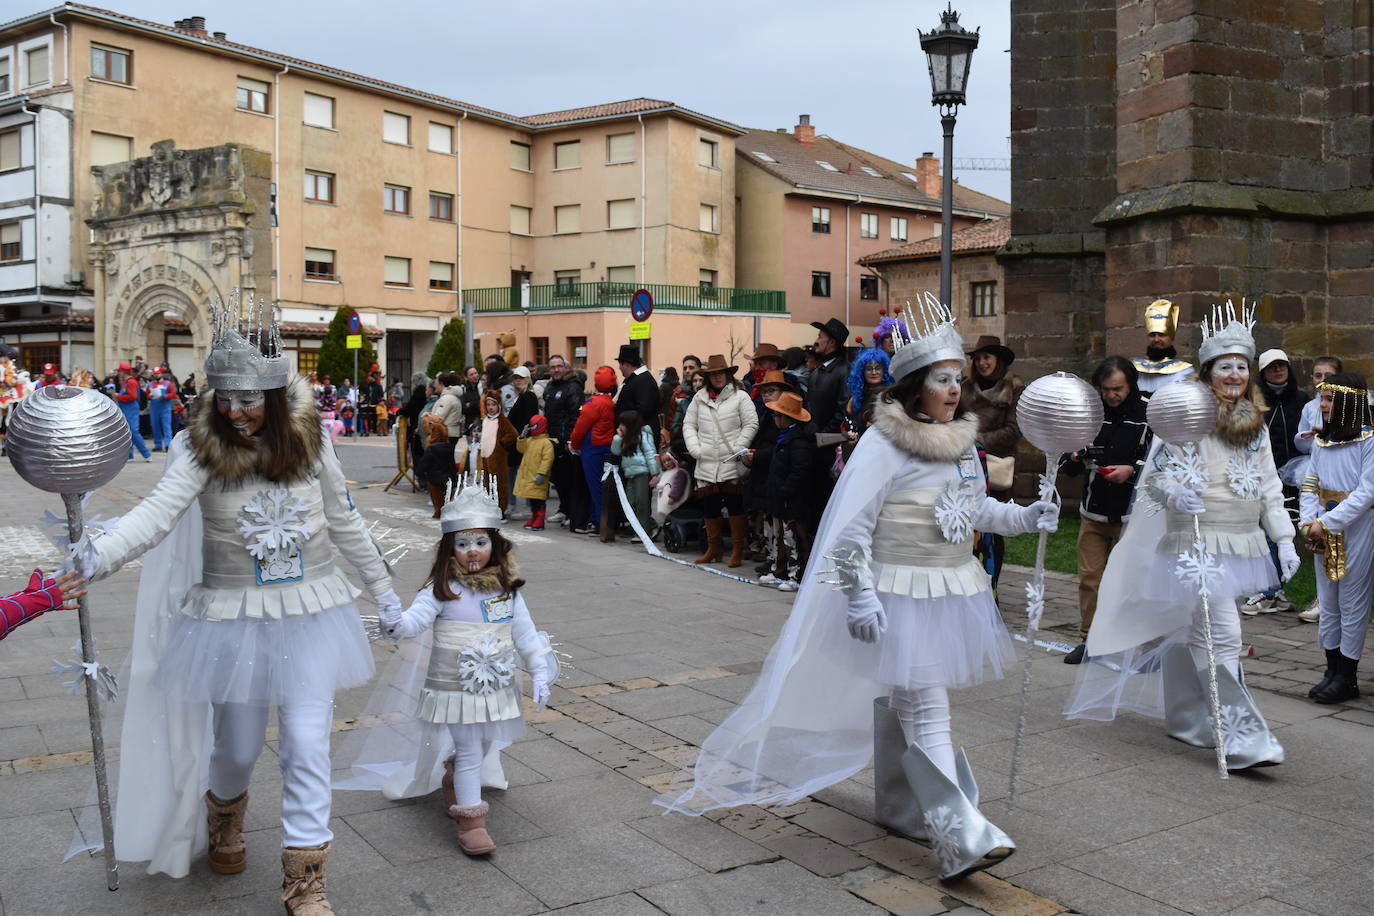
715	545
303	881
739	537
436	496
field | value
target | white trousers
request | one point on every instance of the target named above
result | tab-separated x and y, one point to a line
303	752
924	714
1225	635
467	767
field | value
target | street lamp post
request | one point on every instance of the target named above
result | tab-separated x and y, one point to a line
949	50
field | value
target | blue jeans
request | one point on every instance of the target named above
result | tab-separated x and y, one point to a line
160	415
593	457
130	411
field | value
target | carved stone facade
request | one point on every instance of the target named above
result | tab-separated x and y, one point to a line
170	232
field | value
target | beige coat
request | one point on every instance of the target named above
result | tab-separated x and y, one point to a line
716	429
449	408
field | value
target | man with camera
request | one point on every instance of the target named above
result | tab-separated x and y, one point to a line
1112	464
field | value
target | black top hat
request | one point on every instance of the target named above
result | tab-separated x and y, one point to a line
629	353
833	328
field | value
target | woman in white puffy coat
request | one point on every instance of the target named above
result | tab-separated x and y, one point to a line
720	425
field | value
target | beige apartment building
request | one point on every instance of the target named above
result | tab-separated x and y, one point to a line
318	188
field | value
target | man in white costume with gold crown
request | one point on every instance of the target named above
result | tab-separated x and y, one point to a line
1161	364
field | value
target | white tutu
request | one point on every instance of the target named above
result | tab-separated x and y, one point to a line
260	660
1240	576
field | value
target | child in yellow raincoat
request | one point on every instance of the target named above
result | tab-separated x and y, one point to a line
532	477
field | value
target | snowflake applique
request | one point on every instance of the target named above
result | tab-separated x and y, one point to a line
485	665
954	510
1198	568
1048	491
1187	468
1035	604
79	669
1238	728
273	524
942	829
1243	475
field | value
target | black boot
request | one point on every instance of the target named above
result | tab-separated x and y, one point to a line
1332	658
1342	687
1076	656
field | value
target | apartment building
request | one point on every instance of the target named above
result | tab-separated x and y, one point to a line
397	202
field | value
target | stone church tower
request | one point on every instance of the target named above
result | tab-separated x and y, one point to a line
1192	150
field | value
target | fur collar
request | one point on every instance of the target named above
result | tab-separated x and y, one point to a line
930	441
230	463
1239	421
488	580
1002	393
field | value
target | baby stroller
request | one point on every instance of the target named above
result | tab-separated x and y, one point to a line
685	526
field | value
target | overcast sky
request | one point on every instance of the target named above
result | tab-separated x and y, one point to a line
856	67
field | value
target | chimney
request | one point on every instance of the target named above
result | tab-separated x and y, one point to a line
221	36
804	133
928	175
196	26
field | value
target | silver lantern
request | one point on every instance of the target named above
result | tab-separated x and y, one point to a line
1059	413
67	440
1182	412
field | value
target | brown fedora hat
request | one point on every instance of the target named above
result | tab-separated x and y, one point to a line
775	377
766	351
717	364
789	404
990	344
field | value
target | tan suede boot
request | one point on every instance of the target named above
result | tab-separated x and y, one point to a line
226	833
473	838
715	546
303	881
739	536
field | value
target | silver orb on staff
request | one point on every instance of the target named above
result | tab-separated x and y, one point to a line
1059	414
72	441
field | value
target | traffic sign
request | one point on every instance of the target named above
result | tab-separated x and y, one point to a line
642	305
639	330
355	324
354	341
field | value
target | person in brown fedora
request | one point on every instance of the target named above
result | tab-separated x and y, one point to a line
766	357
991	393
789	483
773	383
718	430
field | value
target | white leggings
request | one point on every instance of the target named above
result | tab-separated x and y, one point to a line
303	749
1226	642
924	714
467	767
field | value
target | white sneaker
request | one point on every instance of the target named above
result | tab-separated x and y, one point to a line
788	586
1280	602
1253	605
768	579
557	518
1311	614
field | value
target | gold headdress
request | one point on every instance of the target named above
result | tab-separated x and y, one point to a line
1161	317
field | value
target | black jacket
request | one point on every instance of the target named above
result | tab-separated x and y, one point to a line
562	401
756	484
411	411
436	464
789	472
827	394
1285	410
640	393
1124	439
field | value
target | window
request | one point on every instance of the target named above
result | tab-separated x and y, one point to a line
868	225
706	282
9	150
936	230
820	283
440	275
396	199
620	148
567	218
764	156
440	138
396	128
4	75
319	264
520	156
898	224
869	170
825	165
539	347
577	349
38	354
868	288
36	69
623	276
567	155
319	186
820	220
567	282
10	242
107	149
708	218
911	178
307	361
620	214
520	220
984	298
441	206
110	64
318	110
251	95
708	153
396	271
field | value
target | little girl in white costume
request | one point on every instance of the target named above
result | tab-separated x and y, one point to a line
469	698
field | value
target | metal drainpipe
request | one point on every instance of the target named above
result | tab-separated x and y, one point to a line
66	49
858	198
276	181
37	202
458	218
643	203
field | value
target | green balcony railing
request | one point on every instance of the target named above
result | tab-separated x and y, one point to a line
561	296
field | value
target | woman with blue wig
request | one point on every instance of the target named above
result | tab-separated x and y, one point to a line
868	376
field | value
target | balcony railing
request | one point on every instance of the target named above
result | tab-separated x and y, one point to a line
561	296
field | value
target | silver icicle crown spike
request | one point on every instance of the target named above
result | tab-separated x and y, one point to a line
476	504
930	337
246	352
1228	331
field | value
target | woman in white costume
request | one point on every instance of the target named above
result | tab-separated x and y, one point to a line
1335	501
864	662
1149	626
241	608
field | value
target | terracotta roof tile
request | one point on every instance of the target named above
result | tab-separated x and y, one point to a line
985	236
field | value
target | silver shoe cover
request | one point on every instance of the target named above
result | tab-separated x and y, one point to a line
958	832
1187	714
894	805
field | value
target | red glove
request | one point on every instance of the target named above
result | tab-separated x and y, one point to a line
41	596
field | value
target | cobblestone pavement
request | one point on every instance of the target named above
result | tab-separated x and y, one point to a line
1110	818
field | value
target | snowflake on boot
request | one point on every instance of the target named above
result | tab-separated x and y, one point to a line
1238	728
942	828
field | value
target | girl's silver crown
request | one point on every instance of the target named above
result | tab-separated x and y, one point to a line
1228	331
246	351
930	337
473	502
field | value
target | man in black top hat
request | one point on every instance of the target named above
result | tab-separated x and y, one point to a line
639	392
826	395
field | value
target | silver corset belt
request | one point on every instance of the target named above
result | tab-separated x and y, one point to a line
907	534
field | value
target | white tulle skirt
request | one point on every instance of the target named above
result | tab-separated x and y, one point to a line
1239	576
950	641
262	660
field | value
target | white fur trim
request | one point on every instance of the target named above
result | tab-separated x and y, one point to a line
930	441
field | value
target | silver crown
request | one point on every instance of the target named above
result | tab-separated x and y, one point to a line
476	504
1227	331
930	337
245	346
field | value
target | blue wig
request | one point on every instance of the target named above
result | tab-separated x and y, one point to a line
856	372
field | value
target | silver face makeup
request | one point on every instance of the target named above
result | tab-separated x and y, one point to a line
472	549
938	380
239	400
1231	375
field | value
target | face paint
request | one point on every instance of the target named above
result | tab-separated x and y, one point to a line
472	549
238	400
1231	375
941	379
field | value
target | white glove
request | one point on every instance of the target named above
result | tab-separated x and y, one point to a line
1288	559
1041	515
539	685
83	558
1188	502
389	609
866	618
539	479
